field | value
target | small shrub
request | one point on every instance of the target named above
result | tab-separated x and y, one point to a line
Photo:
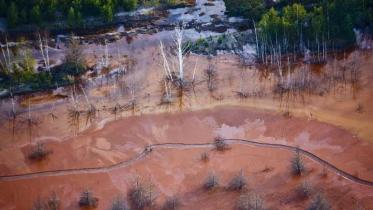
319	203
359	108
297	164
205	157
238	182
172	203
211	182
141	196
39	152
242	95
250	202
39	205
324	172
358	206
220	144
88	200
166	99
53	202
304	190
267	169
119	204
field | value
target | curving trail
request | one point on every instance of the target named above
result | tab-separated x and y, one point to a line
153	147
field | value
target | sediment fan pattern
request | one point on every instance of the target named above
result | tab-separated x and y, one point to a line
152	147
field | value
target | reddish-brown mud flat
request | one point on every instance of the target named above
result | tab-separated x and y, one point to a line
180	171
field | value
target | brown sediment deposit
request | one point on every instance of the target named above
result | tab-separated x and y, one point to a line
336	126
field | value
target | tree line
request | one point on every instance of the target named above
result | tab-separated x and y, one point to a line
37	12
313	24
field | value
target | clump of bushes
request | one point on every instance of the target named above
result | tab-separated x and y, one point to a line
297	164
319	203
171	203
39	152
211	182
141	196
250	202
238	182
220	144
88	200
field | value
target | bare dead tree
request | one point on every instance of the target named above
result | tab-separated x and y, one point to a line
119	204
117	108
88	200
106	54
51	112
13	114
205	157
238	182
174	65
91	110
211	182
74	55
131	105
31	122
39	152
166	92
297	164
171	203
319	202
7	60
211	75
241	93
304	190
141	195
220	144
39	204
53	202
44	50
74	112
249	201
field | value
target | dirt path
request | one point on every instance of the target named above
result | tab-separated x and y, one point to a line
152	147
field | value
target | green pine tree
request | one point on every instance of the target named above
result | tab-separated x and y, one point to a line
3	8
71	18
107	11
35	15
12	16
